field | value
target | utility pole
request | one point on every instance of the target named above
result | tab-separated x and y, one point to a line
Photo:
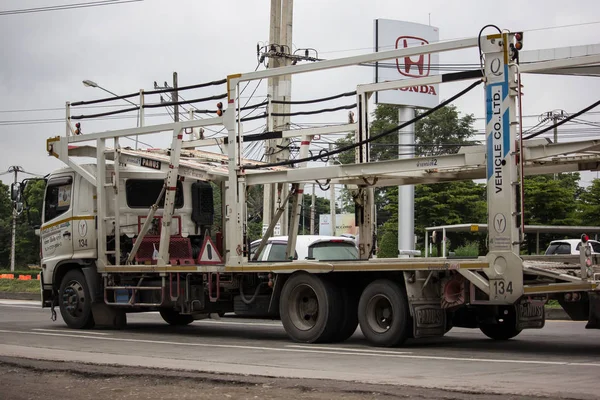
279	88
175	98
312	212
16	199
332	207
553	116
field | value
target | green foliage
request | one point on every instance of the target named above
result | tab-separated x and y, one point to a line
27	244
442	132
388	245
551	202
590	204
468	250
560	201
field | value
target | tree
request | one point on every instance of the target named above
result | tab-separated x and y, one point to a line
550	201
5	225
590	204
442	132
27	244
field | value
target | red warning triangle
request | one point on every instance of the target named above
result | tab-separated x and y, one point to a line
209	254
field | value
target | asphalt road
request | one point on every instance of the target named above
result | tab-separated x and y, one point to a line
561	360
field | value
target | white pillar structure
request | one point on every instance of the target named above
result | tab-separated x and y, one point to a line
406	193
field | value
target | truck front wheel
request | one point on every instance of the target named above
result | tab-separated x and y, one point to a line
383	314
310	308
75	301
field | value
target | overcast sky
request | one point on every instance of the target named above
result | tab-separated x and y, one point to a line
126	47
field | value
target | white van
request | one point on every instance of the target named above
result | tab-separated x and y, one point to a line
308	247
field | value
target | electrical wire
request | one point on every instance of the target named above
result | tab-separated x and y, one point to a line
323	110
67	7
337	96
464	37
149	92
565	120
372	138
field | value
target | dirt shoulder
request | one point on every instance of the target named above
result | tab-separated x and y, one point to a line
36	379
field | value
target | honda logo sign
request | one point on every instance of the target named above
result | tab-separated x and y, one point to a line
390	35
417	68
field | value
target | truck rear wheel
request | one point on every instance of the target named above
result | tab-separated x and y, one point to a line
383	314
75	301
310	308
172	317
349	321
504	329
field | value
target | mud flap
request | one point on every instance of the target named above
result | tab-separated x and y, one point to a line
428	320
108	317
594	317
530	315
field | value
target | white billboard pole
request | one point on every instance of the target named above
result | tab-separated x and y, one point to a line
406	193
390	34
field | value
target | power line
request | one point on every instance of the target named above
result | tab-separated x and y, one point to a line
564	120
464	37
67	6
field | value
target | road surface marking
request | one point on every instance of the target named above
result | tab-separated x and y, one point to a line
261	348
21	302
20	306
347	349
213	321
71	331
294	350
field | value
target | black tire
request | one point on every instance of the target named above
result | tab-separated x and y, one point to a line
504	329
74	301
383	314
310	308
172	317
349	321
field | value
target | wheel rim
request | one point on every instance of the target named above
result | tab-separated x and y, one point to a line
73	299
304	307
380	315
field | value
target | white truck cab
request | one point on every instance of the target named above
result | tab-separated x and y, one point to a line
69	219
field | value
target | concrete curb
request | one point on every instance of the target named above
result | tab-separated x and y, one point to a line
19	296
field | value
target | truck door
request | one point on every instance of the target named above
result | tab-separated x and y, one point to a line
56	231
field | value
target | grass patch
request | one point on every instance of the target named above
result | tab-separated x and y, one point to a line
553	304
17	286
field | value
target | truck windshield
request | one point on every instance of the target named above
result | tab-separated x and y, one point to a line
142	193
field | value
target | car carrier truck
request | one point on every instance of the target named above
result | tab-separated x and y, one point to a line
133	230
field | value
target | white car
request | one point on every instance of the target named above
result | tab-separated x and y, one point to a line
570	247
308	247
